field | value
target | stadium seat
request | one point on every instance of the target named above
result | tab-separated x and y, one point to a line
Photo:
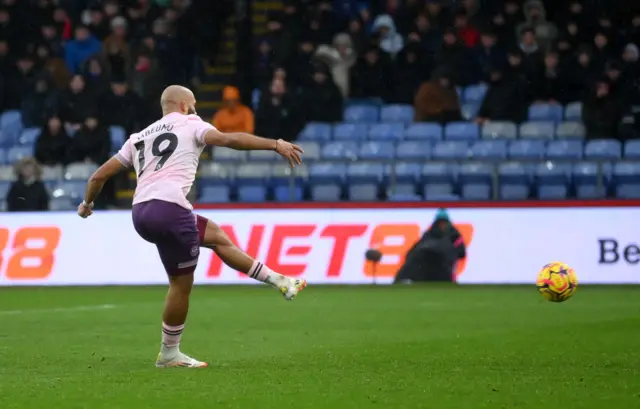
514	192
350	132
474	93
570	130
432	190
326	193
282	173
590	192
3	156
256	94
476	191
118	136
7	173
340	150
386	132
451	150
70	188
222	154
361	114
59	204
552	192
472	173
263	156
413	150
537	130
628	191
499	130
626	173
587	173
311	150
215	194
442	197
212	173
553	173
10	126
367	192
399	197
438	173
489	149
546	112
18	152
461	131
526	149
396	113
252	174
373	102
363	172
404	172
315	131
470	110
254	193
4	189
377	150
403	189
603	149
632	149
79	171
288	194
29	136
573	112
514	173
423	131
327	172
565	149
50	173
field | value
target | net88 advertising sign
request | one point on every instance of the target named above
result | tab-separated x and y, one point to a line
327	245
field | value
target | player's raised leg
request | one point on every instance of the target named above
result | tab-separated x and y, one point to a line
214	238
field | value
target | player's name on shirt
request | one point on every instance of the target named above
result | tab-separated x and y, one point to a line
157	128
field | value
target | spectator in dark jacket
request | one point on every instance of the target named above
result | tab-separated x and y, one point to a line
601	112
485	55
277	116
77	51
28	193
53	144
91	143
370	75
76	102
322	101
506	99
407	73
550	84
120	106
39	105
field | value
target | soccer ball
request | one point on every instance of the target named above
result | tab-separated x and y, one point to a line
557	282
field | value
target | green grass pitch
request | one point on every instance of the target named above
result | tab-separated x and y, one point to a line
440	347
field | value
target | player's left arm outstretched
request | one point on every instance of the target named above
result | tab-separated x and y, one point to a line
96	182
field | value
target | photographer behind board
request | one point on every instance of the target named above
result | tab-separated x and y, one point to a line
434	256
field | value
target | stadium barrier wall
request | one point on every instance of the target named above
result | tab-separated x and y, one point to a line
506	243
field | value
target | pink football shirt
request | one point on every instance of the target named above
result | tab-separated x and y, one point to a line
165	157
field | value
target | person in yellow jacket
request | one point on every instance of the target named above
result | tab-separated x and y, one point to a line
234	116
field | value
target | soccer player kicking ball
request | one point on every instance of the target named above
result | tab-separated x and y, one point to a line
165	157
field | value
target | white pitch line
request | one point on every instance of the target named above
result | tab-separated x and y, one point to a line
61	309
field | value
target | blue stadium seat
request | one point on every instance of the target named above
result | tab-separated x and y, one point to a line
372	102
327	172
514	192
442	197
80	171
438	173
118	136
552	192
423	131
252	193
215	194
628	191
3	156
10	126
29	136
537	130
311	150
570	130
70	188
433	190
364	172
282	173
474	93
60	204
500	130
256	95
527	149
573	112
404	189
252	174
396	113
386	132
284	193
340	150
405	172
315	131
7	173
632	149
553	173
367	192
4	189
473	173
363	114
326	193
461	131
603	149
263	156
586	173
489	149
476	191
470	110
546	112
377	150
400	197
18	152
52	173
590	192
626	173
451	150
514	173
565	149
215	174
350	132
413	150
222	154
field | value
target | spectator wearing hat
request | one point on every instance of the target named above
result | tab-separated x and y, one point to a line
408	71
505	100
115	50
233	116
535	14
78	50
339	58
437	100
390	41
322	101
485	55
370	75
454	56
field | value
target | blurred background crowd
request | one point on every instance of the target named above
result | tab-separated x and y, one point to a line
77	76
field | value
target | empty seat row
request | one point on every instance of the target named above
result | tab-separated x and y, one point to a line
74	171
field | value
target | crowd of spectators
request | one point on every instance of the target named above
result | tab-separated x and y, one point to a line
318	54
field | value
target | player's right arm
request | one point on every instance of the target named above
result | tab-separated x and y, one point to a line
245	142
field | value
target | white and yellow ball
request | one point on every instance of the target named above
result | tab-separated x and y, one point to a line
557	282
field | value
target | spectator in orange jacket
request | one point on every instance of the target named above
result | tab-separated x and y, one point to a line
234	117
